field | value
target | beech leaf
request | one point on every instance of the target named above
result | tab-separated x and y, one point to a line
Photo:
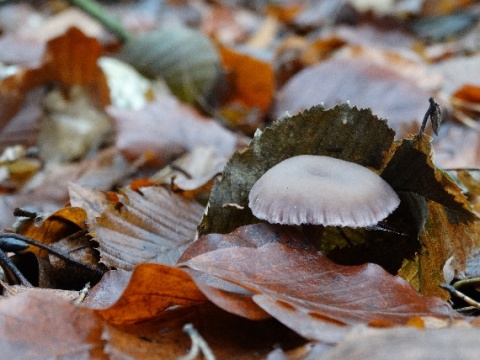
41	325
152	288
152	226
307	283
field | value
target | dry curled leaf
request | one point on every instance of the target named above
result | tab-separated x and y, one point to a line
153	225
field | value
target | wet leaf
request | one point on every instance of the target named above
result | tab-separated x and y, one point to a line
152	226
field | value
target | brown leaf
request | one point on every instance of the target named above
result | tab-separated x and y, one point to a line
407	343
40	325
70	59
152	226
56	226
229	336
151	290
309	285
363	83
167	128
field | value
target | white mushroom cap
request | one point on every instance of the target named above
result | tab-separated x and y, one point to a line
321	190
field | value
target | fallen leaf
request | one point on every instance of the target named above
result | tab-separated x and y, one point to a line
407	343
166	53
363	83
40	325
228	336
152	288
252	87
64	61
152	226
299	282
168	128
56	226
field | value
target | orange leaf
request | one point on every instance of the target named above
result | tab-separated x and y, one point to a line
252	79
152	289
468	92
58	225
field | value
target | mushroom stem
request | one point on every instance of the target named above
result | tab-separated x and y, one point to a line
313	232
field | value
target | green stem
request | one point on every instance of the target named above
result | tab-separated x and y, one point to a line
92	8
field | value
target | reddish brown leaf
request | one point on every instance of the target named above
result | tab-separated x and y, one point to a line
152	289
41	325
305	282
229	336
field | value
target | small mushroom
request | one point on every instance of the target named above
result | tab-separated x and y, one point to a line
321	190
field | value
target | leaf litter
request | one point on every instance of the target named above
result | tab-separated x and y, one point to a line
254	270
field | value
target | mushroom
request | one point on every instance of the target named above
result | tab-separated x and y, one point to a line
321	190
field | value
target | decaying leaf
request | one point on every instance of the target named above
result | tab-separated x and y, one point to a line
152	226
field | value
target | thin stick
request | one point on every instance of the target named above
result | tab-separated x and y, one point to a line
92	8
52	251
198	343
5	260
461	295
435	115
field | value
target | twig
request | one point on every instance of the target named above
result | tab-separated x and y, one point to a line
52	251
198	344
92	8
435	115
461	295
82	294
5	260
